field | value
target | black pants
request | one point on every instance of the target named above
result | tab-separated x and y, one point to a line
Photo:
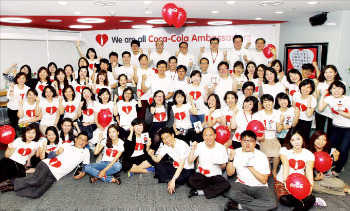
12	114
303	205
191	135
35	185
321	121
305	129
165	172
128	162
10	169
211	186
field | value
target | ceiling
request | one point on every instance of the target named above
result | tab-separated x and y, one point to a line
199	12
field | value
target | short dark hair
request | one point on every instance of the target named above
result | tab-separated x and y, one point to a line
272	71
204	58
126	53
83	133
292	131
113	54
295	71
54	130
181	67
161	62
238	63
247	84
32	126
248	133
142	55
255	103
195	72
209	128
33	91
260	38
92	50
172	57
19	75
166	130
51	89
231	93
337	84
223	63
214	38
282	96
102	91
315	136
236	37
217	99
135	42
104	61
138	121
183	43
306	82
266	97
308	66
182	93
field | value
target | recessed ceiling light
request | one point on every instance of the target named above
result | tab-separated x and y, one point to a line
312	2
80	26
78	13
15	20
219	23
231	2
104	3
142	26
147	2
190	22
156	21
258	19
148	12
126	21
63	3
91	20
54	20
271	3
279	12
331	24
215	12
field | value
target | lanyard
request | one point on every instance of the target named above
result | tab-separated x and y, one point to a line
217	53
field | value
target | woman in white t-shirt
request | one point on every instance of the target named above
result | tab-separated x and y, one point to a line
17	92
70	105
306	103
52	67
339	134
271	84
18	152
277	65
247	90
81	82
68	70
250	70
60	81
122	85
227	112
87	109
100	82
91	56
294	79
67	132
113	147
295	159
212	115
258	78
44	80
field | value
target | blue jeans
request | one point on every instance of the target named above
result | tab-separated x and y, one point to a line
88	129
340	138
196	118
94	169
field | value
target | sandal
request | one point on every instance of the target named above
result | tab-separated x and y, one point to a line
93	179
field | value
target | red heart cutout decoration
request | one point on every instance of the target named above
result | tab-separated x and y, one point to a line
160	116
41	87
24	152
139	146
175	164
296	164
54	162
181	18
180	116
88	112
228	118
301	106
170	13
127	109
69	108
111	152
292	92
30	113
195	95
102	39
51	110
79	88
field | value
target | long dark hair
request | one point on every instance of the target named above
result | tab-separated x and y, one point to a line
68	65
154	95
292	131
315	136
64	91
246	69
321	77
48	74
70	133
54	130
29	75
32	126
65	81
109	141
84	107
87	74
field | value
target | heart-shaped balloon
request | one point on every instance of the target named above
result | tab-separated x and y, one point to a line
181	18
170	13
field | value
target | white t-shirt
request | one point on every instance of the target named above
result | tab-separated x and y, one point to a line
241	80
302	105
172	75
128	71
18	94
260	164
150	73
227	114
258	57
185	60
68	160
223	86
256	82
216	114
273	90
71	108
337	104
183	85
48	111
139	146
110	153
49	147
88	113
160	115
78	88
180	150
22	150
198	97
155	83
234	55
155	57
322	86
40	88
289	116
135	59
182	116
98	89
28	111
214	59
297	162
242	121
109	106
270	122
209	160
292	88
127	113
206	79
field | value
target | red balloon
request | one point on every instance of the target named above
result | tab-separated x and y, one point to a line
223	134
104	117
7	134
267	50
170	13
298	185
257	127
323	161
181	18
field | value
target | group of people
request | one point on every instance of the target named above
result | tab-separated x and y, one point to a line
158	113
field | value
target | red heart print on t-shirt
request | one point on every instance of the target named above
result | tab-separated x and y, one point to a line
22	96
111	152
127	109
337	113
139	146
102	39
301	106
51	110
140	90
24	152
203	171
91	66
66	142
206	118
79	88
176	164
54	162
30	113
292	92
296	164
52	149
88	112
120	97
41	87
70	108
238	136
180	116
98	91
150	100
160	116
195	94
228	118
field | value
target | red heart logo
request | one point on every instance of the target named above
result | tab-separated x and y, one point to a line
60	92
111	152
54	162
228	118
328	93
121	97
195	94
335	111
301	106
88	112
139	146
180	116
70	108
206	118
127	109
52	149
238	136
41	87
140	90
296	164
91	66
155	70
203	171
102	39
292	92
24	152
51	110
30	113
68	142
257	89
79	88
175	164
150	100
160	116
98	91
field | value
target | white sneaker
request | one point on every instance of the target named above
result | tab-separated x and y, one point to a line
320	202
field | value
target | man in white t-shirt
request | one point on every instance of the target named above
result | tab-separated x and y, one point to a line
127	69
258	56
178	172
206	77
250	191
159	54
213	55
113	65
212	159
58	164
238	53
184	58
135	54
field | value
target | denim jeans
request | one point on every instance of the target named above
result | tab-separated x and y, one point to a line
340	138
88	129
196	118
94	169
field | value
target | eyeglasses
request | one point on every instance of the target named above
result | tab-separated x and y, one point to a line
248	140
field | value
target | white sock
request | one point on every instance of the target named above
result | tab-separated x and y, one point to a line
240	207
200	193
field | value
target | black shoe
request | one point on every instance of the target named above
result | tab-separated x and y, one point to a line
7	188
5	183
231	205
192	192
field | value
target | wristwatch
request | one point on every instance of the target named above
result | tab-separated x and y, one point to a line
230	160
